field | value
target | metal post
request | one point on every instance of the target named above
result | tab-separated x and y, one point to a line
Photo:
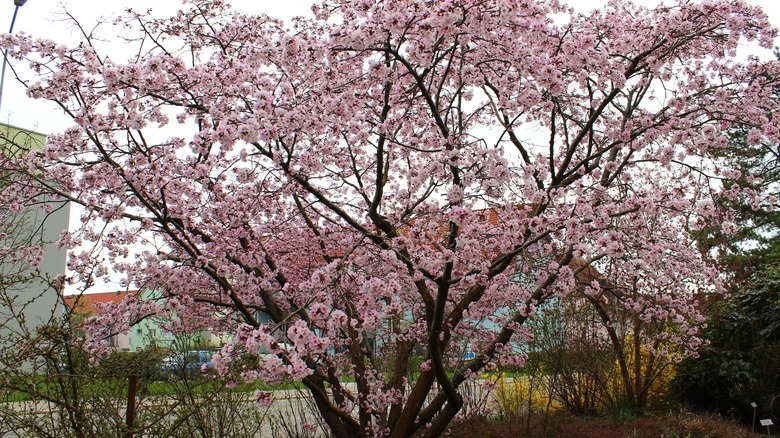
130	413
754	415
18	4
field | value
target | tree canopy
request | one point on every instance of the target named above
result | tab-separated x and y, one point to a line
388	181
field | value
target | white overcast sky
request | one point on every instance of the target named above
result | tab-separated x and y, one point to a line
44	18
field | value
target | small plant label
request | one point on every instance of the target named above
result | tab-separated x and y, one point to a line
767	422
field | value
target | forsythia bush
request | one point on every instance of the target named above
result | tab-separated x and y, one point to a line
519	395
603	386
656	377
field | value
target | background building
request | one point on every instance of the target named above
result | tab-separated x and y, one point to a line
147	333
29	296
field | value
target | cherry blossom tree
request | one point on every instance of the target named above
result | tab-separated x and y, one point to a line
387	180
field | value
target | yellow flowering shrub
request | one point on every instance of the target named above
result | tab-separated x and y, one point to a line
518	395
657	376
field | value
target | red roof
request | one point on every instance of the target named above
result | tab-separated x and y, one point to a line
84	304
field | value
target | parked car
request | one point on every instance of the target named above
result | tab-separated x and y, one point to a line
187	363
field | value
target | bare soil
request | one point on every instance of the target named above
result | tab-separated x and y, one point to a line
654	425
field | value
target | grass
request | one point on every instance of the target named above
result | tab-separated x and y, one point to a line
203	386
34	387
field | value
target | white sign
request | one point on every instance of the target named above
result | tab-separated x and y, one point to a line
767	422
754	405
